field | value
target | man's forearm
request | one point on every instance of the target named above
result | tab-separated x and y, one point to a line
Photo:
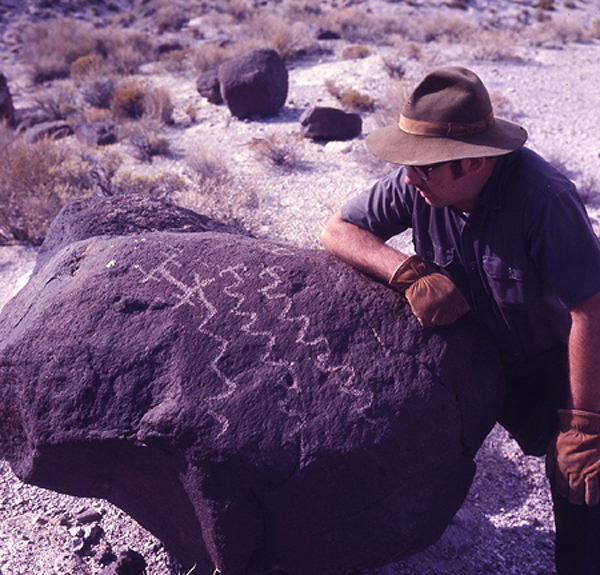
360	248
584	356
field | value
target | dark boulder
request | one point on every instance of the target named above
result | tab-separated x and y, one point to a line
7	110
96	133
256	406
255	83
323	123
122	215
209	87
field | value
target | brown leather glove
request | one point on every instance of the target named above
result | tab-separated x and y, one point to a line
432	296
575	460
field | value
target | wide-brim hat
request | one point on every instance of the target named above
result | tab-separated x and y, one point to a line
448	116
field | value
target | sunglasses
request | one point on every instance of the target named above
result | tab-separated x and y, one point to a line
424	171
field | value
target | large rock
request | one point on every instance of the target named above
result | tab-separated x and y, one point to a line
255	83
119	216
257	406
7	110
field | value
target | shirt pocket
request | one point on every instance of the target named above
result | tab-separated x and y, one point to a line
511	284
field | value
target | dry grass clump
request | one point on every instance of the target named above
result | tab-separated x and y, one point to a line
65	46
210	55
51	47
159	105
350	98
35	182
60	102
281	151
356	52
128	101
148	144
163	184
215	192
289	39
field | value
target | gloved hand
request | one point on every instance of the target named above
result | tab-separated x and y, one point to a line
575	460
432	296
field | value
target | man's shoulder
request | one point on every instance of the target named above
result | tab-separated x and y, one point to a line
533	177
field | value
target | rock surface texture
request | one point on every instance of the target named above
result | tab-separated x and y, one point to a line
256	406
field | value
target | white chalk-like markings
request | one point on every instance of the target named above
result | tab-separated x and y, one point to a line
318	347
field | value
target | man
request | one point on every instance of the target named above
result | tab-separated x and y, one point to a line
501	233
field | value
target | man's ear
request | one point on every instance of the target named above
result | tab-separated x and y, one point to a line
474	165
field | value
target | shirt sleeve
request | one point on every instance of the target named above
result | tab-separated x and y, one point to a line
567	249
382	210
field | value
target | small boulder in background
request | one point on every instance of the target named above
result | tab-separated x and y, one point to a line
208	86
255	83
323	123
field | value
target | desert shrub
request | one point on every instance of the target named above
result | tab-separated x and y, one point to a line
209	55
350	97
280	151
98	92
240	10
51	47
159	105
594	30
128	100
589	190
215	192
171	19
388	110
494	46
356	52
149	144
545	5
59	101
125	51
163	184
273	31
395	67
445	26
35	182
555	32
84	66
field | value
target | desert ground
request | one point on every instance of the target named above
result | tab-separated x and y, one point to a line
539	59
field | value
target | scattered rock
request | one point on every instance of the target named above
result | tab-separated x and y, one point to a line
255	83
254	405
7	110
328	35
129	563
323	123
209	87
96	133
54	130
88	516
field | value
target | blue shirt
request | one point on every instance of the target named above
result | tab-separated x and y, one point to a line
523	256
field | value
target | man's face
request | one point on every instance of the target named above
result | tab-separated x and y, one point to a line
445	186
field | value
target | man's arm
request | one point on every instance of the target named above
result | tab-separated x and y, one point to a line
360	248
433	298
584	355
575	461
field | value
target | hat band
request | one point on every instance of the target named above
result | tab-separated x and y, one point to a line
443	129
